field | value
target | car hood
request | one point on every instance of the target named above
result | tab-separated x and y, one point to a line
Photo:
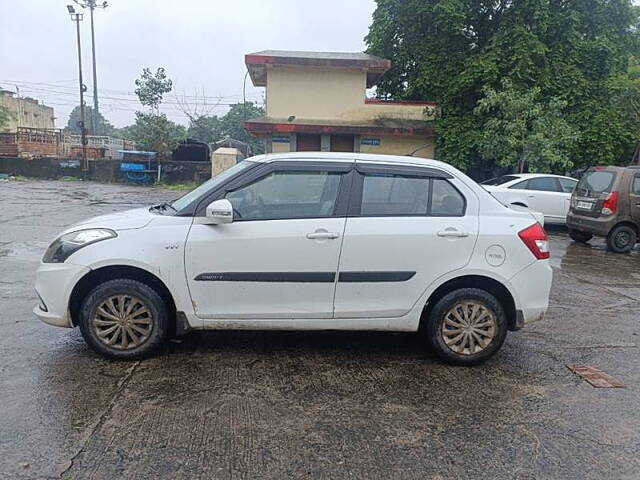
127	220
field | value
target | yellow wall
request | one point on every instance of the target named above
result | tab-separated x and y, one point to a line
401	145
280	147
27	113
313	93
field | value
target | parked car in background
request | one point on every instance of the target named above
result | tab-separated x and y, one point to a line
316	241
606	202
548	194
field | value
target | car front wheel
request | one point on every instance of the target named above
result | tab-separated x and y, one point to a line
621	239
466	327
124	319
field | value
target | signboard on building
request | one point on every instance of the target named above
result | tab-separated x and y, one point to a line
281	139
370	141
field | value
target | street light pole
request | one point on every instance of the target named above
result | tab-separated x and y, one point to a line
77	17
91	5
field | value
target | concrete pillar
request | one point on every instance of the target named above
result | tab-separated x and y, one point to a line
224	158
325	143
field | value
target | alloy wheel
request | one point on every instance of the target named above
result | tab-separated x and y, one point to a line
122	322
468	327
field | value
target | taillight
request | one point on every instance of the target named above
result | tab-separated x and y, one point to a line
535	238
610	204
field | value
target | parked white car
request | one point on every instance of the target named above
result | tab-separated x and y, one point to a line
306	241
548	194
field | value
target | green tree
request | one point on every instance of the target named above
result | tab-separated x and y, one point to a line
520	130
233	124
212	128
205	128
103	126
150	88
155	132
5	117
451	51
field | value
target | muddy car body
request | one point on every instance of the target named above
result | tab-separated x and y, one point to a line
606	203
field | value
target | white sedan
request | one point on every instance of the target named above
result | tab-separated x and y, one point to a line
548	194
305	241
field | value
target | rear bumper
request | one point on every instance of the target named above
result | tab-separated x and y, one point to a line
597	226
532	286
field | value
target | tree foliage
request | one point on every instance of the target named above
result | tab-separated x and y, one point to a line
521	130
212	128
150	88
102	124
5	117
154	132
452	51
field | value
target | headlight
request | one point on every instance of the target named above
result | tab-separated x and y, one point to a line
67	244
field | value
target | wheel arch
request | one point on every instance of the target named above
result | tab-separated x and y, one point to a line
110	272
626	223
488	284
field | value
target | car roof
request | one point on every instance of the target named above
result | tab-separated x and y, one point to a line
351	157
534	175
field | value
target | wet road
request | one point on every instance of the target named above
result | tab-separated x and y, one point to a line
313	405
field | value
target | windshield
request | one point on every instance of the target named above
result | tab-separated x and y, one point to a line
210	184
499	180
595	182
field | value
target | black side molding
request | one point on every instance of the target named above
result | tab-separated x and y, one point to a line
275	277
361	277
306	277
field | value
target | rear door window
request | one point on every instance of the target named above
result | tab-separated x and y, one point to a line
499	180
520	185
543	184
595	182
635	186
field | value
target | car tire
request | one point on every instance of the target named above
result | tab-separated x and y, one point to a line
579	236
124	319
443	327
621	239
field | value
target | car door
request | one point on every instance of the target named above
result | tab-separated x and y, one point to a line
279	257
634	199
544	195
406	227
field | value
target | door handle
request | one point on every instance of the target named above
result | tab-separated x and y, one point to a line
323	235
531	196
450	232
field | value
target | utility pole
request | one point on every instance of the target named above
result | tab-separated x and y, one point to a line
77	17
92	5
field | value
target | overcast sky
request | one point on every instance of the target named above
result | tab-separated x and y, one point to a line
201	43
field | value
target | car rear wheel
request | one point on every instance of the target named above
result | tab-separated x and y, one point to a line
466	327
580	237
621	239
124	319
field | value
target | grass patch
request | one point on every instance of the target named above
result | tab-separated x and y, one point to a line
18	178
68	178
178	186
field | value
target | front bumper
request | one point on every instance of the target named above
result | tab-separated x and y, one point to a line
54	285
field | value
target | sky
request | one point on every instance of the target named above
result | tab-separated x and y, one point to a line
200	43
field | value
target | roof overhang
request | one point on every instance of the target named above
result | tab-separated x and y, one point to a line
258	62
264	126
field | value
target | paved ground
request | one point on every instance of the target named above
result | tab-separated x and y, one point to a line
313	405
